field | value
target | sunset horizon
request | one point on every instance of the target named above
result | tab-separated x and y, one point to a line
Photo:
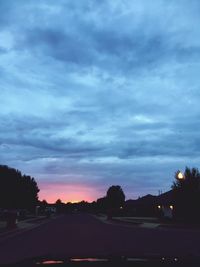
66	193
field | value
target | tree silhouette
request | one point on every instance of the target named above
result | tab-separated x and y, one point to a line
101	204
59	206
58	202
187	195
115	199
17	190
43	203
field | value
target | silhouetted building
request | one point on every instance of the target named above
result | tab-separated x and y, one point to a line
165	204
149	205
144	206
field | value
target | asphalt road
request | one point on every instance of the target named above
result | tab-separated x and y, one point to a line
83	235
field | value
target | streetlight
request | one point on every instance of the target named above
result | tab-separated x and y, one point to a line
180	176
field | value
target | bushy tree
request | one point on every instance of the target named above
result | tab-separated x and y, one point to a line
43	203
186	190
17	190
115	199
59	206
58	202
101	204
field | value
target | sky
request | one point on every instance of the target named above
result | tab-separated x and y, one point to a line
99	93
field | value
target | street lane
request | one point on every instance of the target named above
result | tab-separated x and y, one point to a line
83	235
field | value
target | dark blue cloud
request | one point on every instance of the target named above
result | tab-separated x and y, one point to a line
100	92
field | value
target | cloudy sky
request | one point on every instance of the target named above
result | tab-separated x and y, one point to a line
95	93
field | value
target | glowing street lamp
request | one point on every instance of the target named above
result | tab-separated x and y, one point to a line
180	176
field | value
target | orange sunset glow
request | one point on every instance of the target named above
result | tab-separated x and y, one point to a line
67	193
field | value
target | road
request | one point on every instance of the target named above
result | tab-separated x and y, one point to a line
83	235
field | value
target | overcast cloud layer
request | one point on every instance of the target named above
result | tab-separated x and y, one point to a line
95	93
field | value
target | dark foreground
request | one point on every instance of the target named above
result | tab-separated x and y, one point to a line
82	235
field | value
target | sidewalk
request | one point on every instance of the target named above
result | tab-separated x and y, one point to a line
147	222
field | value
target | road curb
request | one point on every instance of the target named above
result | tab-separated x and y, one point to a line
113	221
126	224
